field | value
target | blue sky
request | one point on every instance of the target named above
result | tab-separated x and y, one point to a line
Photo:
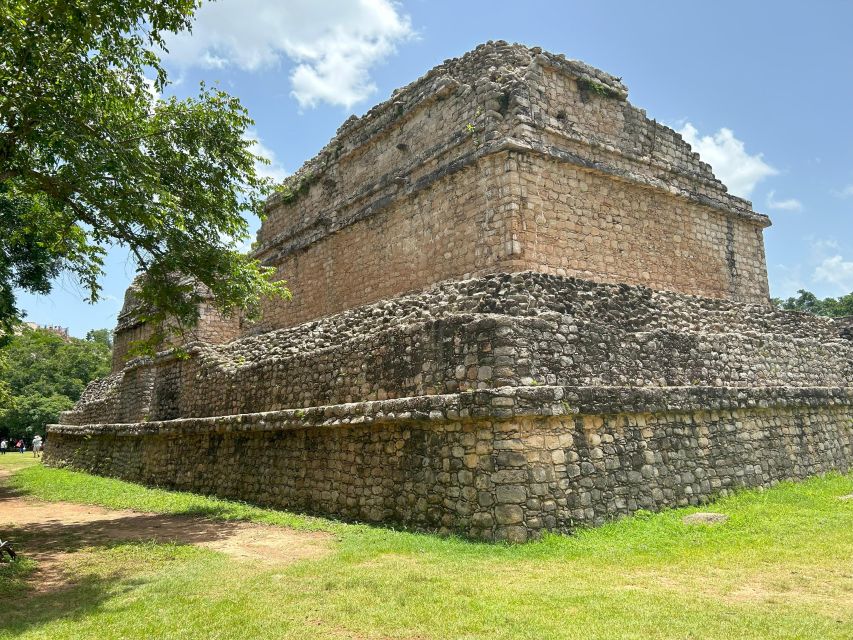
764	90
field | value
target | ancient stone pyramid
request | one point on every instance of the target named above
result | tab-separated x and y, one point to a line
519	305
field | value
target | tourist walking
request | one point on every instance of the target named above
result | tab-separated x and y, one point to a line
37	446
19	445
4	444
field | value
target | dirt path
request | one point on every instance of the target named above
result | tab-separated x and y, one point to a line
50	531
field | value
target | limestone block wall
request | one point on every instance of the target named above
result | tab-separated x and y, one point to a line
463	353
502	464
123	396
125	335
505	159
580	223
213	327
455	227
559	110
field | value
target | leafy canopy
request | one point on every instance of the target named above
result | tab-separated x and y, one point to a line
809	302
42	374
90	157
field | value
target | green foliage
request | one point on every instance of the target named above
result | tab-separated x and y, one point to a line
41	362
597	88
28	414
810	303
90	157
101	336
42	374
291	191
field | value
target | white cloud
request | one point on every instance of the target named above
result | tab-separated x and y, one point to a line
272	170
736	168
846	192
822	248
836	271
791	204
334	43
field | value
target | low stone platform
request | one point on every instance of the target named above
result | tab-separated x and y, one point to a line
526	402
499	330
498	464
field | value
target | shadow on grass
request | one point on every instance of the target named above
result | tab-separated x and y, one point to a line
81	487
69	602
13	577
45	527
36	539
41	587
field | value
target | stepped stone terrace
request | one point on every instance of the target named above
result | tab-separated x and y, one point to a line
520	305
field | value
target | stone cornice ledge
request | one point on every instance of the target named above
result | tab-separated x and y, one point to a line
500	404
725	205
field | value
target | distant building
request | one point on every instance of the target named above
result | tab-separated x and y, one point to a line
62	332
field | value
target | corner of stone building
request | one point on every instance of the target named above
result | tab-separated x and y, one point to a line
511	401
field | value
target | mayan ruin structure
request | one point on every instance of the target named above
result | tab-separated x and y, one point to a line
519	305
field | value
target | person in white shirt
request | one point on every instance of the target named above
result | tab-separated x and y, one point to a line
4	445
36	446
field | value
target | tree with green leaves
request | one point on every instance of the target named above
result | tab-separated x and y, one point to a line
90	157
810	303
104	336
28	415
42	374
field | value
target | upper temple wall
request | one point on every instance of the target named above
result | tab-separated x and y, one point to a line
132	330
505	159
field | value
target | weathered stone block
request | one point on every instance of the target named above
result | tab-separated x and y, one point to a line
508	514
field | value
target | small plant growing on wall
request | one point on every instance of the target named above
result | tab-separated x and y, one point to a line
597	88
471	128
290	193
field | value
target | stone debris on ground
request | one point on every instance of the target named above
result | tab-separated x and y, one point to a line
705	518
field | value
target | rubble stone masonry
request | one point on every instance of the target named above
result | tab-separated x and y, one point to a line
520	305
503	464
496	407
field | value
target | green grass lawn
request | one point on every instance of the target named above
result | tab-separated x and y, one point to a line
781	567
11	462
